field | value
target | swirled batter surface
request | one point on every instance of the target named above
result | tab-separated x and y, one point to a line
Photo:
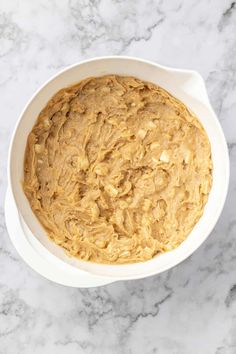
117	170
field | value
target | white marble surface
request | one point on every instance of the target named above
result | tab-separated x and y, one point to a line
188	310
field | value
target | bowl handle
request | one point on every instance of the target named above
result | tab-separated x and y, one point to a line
192	83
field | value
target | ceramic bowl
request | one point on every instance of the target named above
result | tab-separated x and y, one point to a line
189	87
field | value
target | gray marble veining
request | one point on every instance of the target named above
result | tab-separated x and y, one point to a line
190	309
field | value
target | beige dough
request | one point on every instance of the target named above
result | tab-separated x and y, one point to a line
117	170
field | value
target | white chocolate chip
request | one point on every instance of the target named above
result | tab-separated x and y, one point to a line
101	169
125	254
100	243
38	148
187	156
83	163
142	133
154	145
94	211
146	204
46	123
147	252
164	156
111	190
151	125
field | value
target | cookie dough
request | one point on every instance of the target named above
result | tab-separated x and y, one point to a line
117	170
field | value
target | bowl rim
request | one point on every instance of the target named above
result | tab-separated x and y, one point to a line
175	260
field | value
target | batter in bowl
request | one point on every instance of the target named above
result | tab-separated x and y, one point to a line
117	170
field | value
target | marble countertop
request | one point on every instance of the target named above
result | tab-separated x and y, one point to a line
188	310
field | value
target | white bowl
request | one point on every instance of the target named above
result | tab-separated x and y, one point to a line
189	87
